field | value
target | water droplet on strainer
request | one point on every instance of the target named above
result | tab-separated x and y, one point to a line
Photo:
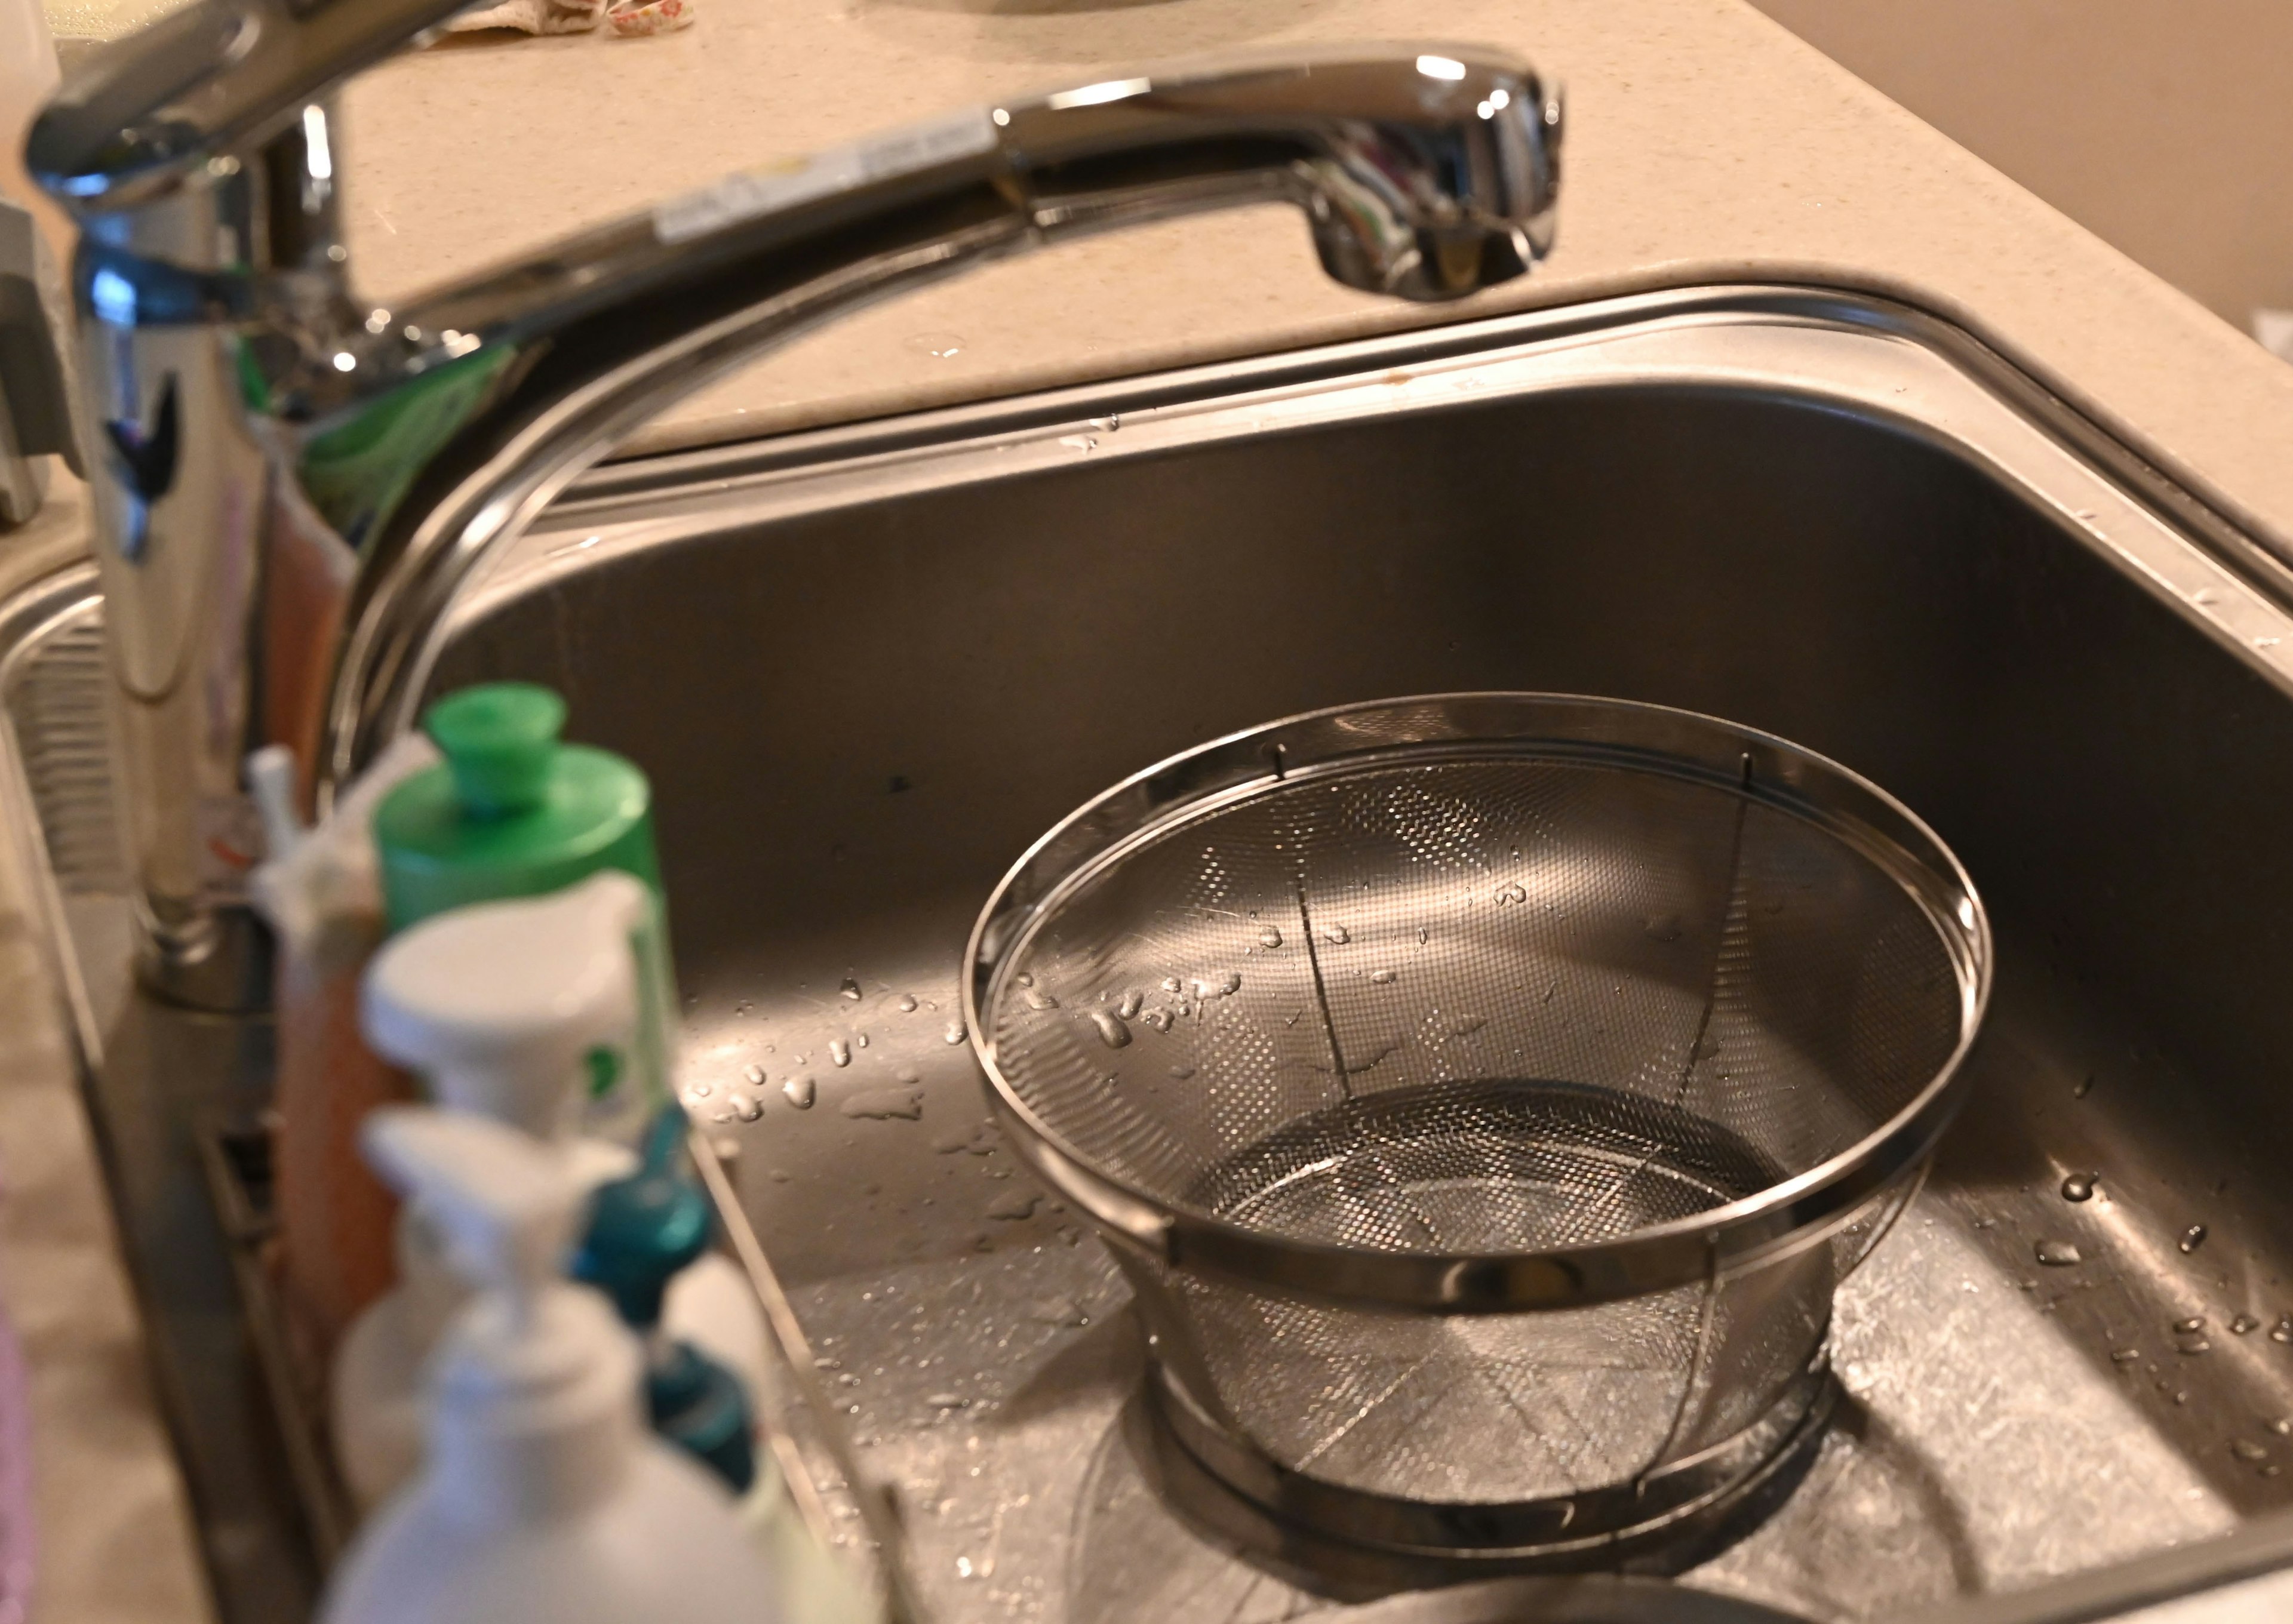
1172	983
1112	1032
1270	937
1381	977
799	1092
1512	891
2079	1186
955	1032
1129	1007
1037	999
2057	1254
850	988
2192	1238
1339	933
840	1051
1662	928
1025	978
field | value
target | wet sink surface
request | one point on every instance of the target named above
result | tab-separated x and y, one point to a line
866	671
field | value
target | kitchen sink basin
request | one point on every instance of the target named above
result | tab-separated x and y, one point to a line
867	667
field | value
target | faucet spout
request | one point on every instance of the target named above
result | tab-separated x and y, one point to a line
338	471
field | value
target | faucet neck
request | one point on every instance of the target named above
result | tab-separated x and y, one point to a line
343	468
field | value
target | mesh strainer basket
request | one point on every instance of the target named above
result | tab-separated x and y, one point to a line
1485	1094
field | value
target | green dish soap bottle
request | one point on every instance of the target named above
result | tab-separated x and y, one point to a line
515	811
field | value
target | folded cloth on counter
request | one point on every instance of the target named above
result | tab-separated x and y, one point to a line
626	19
531	17
636	18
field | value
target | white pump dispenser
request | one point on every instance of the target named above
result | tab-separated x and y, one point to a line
508	1011
501	1006
544	1495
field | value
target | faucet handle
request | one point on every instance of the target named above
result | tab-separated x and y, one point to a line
210	82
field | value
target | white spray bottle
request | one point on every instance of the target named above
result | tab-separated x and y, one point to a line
544	1496
518	1011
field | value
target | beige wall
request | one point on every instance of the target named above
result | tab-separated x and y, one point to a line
2164	126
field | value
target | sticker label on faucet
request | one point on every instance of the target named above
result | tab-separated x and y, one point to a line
761	191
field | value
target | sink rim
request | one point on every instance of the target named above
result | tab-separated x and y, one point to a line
674	495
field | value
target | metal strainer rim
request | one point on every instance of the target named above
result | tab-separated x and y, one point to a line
1681	743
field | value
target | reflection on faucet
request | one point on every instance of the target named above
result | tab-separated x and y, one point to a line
293	483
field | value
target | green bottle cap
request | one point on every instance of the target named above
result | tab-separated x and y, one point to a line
499	740
513	812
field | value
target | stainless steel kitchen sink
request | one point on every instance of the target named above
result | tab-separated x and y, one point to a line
867	667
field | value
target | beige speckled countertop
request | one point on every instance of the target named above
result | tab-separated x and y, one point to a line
1704	143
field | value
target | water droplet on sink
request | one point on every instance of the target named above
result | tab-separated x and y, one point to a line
2205	595
799	1092
850	988
1080	443
2057	1254
1037	999
2192	1238
2190	1326
755	1074
2244	1325
2248	1451
1014	1205
2283	1331
746	1106
1270	938
2084	1088
1129	1007
1025	978
1383	977
2079	1186
947	1401
1109	424
955	1032
2124	1355
885	1105
1159	1019
840	1051
1182	1072
1172	983
1056	1309
907	1003
1112	1032
939	347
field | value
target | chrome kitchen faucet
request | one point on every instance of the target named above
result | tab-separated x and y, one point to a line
290	483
